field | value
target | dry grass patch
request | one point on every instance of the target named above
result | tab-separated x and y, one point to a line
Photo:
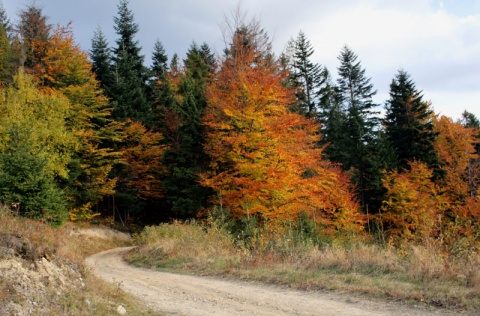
51	279
411	274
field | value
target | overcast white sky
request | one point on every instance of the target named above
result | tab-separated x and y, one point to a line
437	42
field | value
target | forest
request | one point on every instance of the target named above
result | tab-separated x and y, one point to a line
254	138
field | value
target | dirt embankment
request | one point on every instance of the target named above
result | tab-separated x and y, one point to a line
188	295
38	284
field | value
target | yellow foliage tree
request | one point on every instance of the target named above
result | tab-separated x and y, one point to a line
413	206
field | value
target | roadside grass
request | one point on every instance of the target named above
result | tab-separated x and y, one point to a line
66	250
412	274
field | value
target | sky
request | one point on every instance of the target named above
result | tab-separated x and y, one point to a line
436	42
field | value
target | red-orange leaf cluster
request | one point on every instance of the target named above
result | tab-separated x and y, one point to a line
265	159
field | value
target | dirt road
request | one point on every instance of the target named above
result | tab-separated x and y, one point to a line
188	295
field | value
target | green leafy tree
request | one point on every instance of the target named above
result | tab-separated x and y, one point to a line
8	57
36	147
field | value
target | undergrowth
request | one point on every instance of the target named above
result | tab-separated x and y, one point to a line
297	255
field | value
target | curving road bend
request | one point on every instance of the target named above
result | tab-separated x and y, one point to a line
175	294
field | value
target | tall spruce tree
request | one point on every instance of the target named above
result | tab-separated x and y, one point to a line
185	159
5	21
208	57
356	144
309	78
470	120
159	61
130	75
408	124
101	57
161	92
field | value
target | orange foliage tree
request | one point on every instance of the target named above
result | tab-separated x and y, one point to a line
264	159
455	146
66	70
142	152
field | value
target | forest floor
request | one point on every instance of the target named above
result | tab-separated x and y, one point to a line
176	294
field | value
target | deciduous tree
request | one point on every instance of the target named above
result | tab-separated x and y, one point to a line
264	159
412	205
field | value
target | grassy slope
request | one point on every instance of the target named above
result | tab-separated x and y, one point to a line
67	251
415	275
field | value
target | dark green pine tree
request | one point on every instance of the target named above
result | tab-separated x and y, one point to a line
208	57
185	158
357	144
5	21
469	120
129	89
309	78
101	57
158	84
174	66
159	61
199	71
24	179
408	124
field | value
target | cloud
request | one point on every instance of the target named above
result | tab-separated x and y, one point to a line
435	41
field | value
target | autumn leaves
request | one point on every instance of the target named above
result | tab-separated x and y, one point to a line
265	160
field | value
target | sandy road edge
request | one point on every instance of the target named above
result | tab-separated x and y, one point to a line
177	294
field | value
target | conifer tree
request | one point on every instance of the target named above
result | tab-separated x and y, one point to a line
356	144
174	66
130	75
408	123
101	57
308	77
159	61
185	159
5	21
208	57
34	32
159	89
